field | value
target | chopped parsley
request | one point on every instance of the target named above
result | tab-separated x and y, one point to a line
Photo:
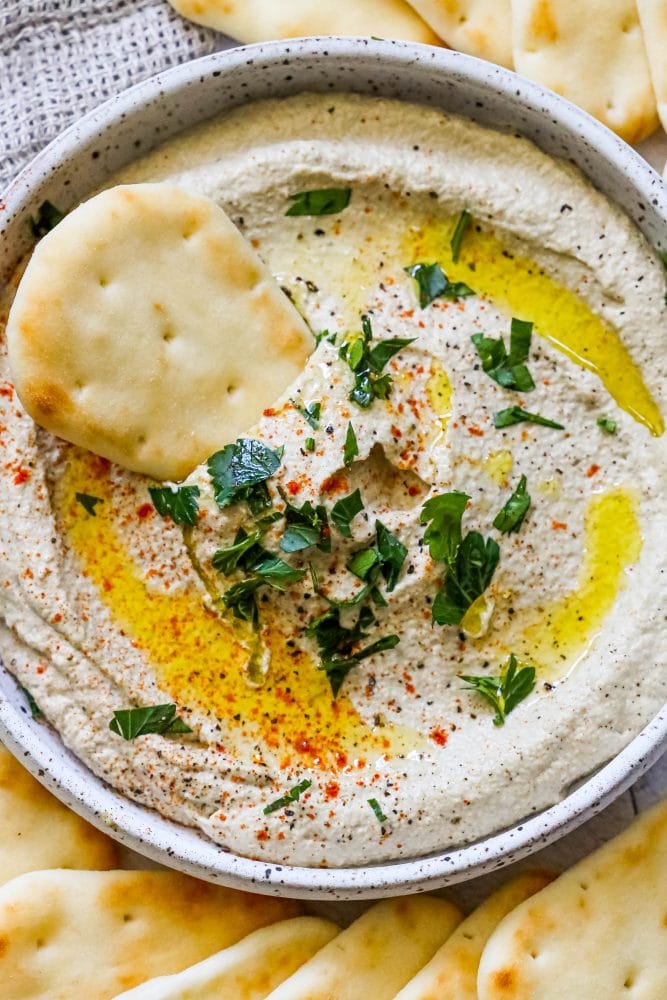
510	517
310	412
607	425
267	569
88	502
239	472
35	710
386	558
350	448
517	415
309	444
180	504
367	362
306	526
464	220
48	216
227	560
132	722
321	201
375	806
344	510
507	369
392	554
470	560
293	795
505	692
433	283
336	643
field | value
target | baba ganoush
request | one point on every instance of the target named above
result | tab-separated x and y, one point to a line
464	482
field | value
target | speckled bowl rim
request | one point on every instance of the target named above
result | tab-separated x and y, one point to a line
408	66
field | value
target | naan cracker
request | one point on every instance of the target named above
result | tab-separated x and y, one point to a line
147	329
593	54
653	20
452	972
598	932
263	20
377	954
74	935
481	28
37	831
248	970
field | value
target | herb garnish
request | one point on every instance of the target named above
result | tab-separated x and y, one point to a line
505	692
336	642
180	504
367	363
350	448
267	569
306	526
48	216
517	415
433	283
310	412
35	710
322	201
375	806
386	558
293	795
508	370
344	510
471	560
88	502
607	425
462	224
239	472
510	517
309	444
227	560
132	722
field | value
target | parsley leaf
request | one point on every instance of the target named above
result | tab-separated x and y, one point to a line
35	710
433	283
266	569
322	201
48	216
88	502
293	795
510	517
392	554
351	448
462	224
310	412
239	472
507	369
306	526
241	598
344	510
443	535
132	722
375	806
227	560
309	444
363	561
517	415
471	560
367	363
505	692
607	425
468	576
336	642
180	504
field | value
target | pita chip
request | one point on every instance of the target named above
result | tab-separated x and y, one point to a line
481	28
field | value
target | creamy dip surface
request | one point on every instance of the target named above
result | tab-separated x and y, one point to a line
124	608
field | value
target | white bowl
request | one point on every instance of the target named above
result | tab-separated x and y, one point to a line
82	158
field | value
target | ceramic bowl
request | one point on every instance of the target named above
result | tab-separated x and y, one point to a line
129	125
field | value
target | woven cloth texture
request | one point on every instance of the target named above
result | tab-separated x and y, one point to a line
60	58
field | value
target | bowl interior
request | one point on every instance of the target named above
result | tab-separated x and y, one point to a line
136	121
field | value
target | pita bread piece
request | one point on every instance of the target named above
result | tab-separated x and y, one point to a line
653	20
593	54
264	20
37	831
452	972
147	330
479	27
248	970
377	954
598	932
74	935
